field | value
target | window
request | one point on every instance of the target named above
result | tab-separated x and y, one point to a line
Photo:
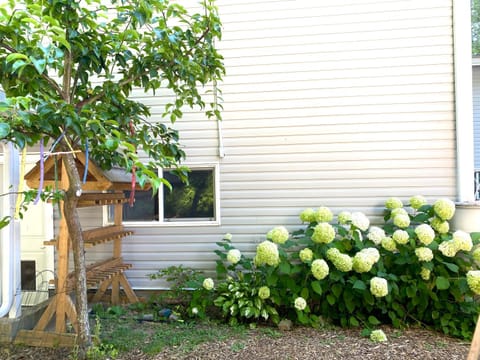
195	202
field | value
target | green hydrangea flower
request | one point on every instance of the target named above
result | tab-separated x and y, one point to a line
376	235
393	203
425	274
441	226
424	254
378	286
402	221
344	217
306	255
208	284
343	262
323	214
476	255
425	234
448	248
323	233
233	256
332	253
300	303
362	262
279	235
360	221
267	253
473	281
444	208
378	336
227	236
264	292
320	269
389	244
462	240
307	215
401	237
398	211
417	201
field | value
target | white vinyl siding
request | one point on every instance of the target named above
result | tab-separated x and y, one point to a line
338	103
476	114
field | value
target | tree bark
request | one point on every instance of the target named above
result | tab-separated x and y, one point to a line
78	249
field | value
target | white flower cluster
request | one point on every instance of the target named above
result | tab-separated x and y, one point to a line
323	233
448	248
208	284
462	240
264	292
365	259
376	235
300	303
440	225
378	286
342	262
389	244
360	221
378	336
323	214
425	273
398	211
400	237
279	235
417	201
267	253
233	256
307	215
344	217
444	208
393	203
320	269
305	255
473	281
425	234
402	221
424	254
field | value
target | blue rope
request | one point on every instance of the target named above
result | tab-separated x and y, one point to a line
86	163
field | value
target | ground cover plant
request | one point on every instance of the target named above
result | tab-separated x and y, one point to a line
413	269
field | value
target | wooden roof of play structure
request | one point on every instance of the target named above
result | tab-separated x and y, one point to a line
96	180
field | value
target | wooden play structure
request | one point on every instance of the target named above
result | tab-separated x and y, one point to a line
98	190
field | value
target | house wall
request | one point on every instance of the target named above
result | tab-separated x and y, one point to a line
331	103
476	114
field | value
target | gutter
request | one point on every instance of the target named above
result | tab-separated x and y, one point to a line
462	49
10	237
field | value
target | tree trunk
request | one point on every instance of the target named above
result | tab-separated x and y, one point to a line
75	233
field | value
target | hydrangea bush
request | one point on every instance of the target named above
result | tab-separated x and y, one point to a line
411	269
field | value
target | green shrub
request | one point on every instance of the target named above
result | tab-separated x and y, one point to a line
412	269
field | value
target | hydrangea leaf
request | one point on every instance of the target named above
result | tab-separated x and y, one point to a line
442	283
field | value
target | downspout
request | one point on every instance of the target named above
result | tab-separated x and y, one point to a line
462	48
10	239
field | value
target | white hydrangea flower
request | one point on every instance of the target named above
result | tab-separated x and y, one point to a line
378	286
389	244
264	292
300	303
208	284
233	256
320	269
393	203
343	262
323	233
417	201
227	236
401	237
425	234
402	221
323	214
376	234
398	211
332	253
194	311
362	262
444	208
448	248
425	274
378	336
344	217
306	255
360	221
267	253
462	240
307	215
373	253
424	254
279	235
473	281
439	225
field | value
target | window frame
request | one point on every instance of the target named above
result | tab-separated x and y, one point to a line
161	222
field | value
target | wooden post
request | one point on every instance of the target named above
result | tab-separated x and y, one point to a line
475	347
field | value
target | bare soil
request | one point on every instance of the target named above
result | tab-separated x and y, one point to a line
299	343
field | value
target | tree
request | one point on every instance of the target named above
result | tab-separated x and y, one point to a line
68	68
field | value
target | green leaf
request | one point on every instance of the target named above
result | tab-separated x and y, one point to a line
337	290
16	56
317	287
452	267
442	283
372	320
353	321
359	285
331	299
304	293
4	130
284	267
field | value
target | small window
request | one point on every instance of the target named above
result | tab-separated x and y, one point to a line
195	201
